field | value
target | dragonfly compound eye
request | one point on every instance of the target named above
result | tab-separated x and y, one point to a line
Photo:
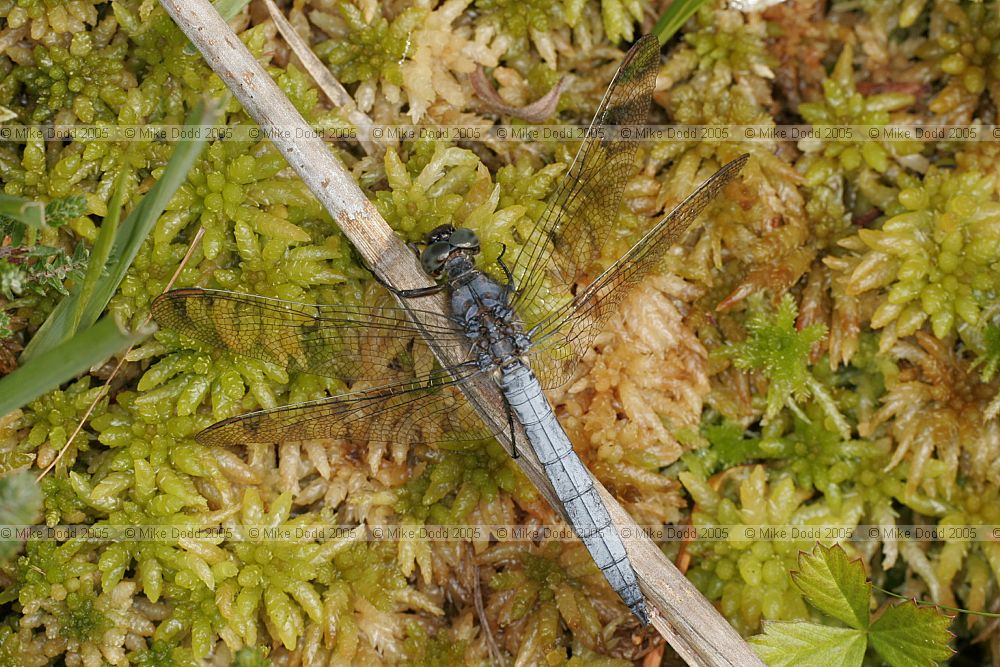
434	256
465	239
440	233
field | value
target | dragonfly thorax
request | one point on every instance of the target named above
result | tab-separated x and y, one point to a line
480	305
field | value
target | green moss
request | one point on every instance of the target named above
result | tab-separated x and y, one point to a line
780	351
82	620
805	444
963	570
538	587
965	51
517	18
250	657
748	577
933	261
10	646
988	357
439	650
20	502
163	654
87	80
841	105
373	50
454	483
135	461
730	41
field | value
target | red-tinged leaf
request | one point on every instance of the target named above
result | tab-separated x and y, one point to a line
835	585
801	644
535	112
910	636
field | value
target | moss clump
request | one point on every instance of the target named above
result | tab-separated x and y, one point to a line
780	352
749	577
827	229
432	651
841	105
163	654
456	482
720	73
934	260
964	49
374	49
518	19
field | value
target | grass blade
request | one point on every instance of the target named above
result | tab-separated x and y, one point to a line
62	363
674	18
101	250
142	218
128	239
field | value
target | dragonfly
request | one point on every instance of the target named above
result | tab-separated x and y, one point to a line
395	392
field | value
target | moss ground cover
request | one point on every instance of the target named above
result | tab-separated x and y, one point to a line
822	349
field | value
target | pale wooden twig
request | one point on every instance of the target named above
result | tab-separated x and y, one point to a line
689	622
326	81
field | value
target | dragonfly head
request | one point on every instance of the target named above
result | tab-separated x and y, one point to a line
442	242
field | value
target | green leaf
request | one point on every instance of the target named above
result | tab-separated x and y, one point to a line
910	636
63	362
20	503
128	239
229	8
101	250
675	17
835	585
801	644
26	211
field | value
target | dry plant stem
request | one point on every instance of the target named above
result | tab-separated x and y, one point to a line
681	614
324	79
121	361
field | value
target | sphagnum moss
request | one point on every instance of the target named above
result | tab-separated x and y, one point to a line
934	261
136	462
964	50
747	576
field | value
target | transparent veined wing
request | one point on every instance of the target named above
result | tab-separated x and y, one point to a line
562	338
346	342
430	410
583	210
405	394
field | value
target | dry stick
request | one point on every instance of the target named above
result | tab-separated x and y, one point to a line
324	79
682	615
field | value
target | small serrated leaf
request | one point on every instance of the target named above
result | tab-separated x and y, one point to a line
801	644
835	585
910	636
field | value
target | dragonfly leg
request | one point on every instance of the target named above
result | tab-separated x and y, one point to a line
506	271
414	293
513	433
406	293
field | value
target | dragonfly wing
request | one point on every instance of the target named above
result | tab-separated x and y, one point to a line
346	342
562	338
430	411
571	232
